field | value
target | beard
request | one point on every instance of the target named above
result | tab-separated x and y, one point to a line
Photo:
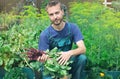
57	22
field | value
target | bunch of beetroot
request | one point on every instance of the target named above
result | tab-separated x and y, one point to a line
33	53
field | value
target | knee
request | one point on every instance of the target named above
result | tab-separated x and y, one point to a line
82	58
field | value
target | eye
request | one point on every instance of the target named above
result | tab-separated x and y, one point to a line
57	12
51	14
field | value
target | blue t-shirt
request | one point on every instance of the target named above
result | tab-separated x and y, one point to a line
63	40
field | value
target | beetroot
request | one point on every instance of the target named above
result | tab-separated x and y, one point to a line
33	53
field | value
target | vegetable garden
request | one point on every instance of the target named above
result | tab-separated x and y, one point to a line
100	27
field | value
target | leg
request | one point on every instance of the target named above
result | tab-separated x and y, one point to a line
78	65
29	72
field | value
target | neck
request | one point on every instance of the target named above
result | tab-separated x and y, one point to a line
59	27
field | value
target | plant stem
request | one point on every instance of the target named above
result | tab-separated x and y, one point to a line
28	63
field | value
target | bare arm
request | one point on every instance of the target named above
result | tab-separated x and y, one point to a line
80	49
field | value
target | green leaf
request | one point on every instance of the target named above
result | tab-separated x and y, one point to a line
50	69
1	61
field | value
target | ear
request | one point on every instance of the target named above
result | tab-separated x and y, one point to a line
64	9
63	12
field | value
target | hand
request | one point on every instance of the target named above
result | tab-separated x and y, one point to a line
43	58
64	57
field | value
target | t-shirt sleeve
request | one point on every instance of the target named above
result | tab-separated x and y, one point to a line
77	35
43	42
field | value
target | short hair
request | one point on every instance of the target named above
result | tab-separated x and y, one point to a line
54	3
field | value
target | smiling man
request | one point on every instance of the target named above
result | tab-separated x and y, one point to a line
62	34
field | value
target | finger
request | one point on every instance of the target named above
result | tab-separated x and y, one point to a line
38	59
58	58
61	62
65	62
42	58
46	57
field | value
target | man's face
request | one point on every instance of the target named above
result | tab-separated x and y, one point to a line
55	14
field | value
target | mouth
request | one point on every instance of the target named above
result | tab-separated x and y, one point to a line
57	22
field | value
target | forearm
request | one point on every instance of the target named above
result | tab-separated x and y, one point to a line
79	50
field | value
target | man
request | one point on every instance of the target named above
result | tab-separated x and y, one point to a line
62	35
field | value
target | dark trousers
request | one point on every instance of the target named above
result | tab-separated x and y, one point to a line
78	65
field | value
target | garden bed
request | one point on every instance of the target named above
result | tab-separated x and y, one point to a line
86	74
111	74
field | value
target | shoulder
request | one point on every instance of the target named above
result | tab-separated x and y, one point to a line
72	25
45	32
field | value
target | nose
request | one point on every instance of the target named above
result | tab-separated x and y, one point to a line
55	16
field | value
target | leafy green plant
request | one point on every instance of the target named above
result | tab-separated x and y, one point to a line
23	35
118	77
101	34
115	5
53	68
7	20
13	75
98	73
